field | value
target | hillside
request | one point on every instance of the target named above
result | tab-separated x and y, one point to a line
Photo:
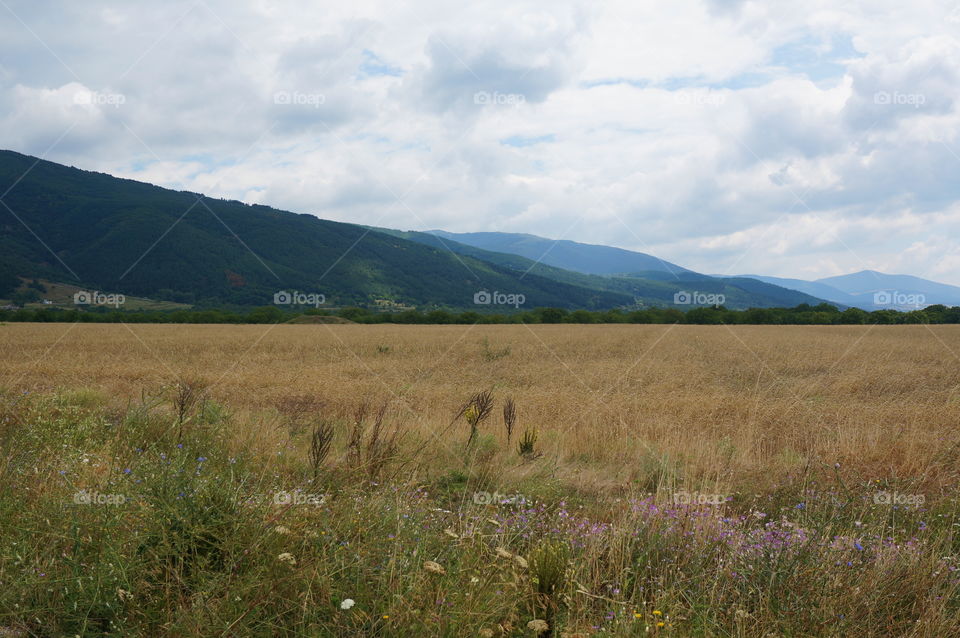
98	231
649	287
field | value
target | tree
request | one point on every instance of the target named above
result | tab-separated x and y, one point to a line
854	316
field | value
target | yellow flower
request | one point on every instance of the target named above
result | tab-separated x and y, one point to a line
657	613
660	624
472	414
385	616
637	615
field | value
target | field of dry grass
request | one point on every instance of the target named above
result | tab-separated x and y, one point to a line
724	402
796	436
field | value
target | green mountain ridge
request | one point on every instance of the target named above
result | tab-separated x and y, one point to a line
118	235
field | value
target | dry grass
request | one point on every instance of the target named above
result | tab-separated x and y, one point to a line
728	405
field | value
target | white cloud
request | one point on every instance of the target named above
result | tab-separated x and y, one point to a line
716	134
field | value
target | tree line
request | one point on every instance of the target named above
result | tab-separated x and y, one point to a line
804	314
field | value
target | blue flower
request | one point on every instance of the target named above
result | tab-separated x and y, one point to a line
858	546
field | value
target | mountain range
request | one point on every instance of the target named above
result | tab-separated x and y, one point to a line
872	290
867	289
74	227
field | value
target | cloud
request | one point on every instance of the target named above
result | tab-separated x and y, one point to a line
790	140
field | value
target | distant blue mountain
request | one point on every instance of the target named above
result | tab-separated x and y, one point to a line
591	259
872	290
880	290
815	288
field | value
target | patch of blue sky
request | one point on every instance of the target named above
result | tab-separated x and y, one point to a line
373	66
818	59
519	141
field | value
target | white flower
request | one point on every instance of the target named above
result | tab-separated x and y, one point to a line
288	558
347	603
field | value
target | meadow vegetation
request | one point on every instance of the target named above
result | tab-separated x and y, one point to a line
552	480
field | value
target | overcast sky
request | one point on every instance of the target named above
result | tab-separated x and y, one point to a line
798	139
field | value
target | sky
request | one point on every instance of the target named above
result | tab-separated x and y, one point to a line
732	137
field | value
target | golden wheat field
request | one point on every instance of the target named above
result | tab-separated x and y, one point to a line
731	405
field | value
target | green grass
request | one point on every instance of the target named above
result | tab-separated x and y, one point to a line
214	539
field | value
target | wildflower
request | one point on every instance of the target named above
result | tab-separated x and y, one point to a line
347	603
386	616
280	529
538	626
288	558
434	568
657	612
503	553
452	534
486	633
660	624
123	594
637	614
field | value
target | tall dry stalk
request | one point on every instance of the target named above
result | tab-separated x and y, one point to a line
476	411
509	417
187	393
321	441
